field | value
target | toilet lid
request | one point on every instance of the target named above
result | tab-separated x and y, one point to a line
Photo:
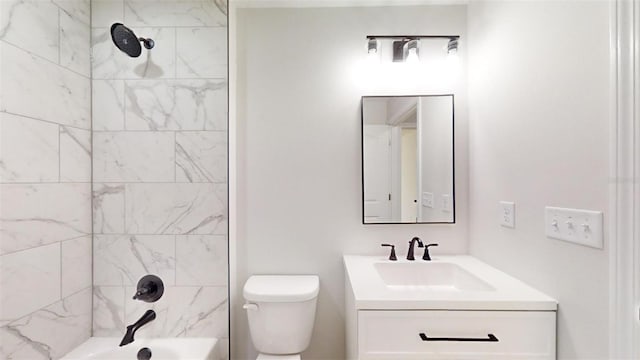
281	288
278	357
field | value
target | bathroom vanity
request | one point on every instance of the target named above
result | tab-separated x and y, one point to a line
454	307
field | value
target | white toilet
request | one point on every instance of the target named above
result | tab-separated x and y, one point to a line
281	311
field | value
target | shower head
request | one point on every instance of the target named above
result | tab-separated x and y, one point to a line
127	41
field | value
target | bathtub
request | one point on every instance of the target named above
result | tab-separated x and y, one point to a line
161	349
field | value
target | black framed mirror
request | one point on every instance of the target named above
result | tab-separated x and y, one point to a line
408	159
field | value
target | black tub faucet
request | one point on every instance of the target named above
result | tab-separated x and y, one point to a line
148	316
411	243
426	255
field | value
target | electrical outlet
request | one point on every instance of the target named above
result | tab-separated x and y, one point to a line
427	199
582	227
507	214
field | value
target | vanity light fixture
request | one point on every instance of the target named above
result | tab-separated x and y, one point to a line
452	47
412	56
406	48
372	46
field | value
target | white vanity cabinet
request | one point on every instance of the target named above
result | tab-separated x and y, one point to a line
511	321
425	334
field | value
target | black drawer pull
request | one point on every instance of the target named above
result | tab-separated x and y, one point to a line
489	338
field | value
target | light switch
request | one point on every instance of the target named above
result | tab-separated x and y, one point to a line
582	227
507	214
427	199
446	202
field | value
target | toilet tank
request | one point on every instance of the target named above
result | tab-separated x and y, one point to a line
281	310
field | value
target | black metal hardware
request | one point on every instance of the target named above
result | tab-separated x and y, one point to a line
150	289
489	338
392	256
410	255
128	338
144	354
426	255
414	37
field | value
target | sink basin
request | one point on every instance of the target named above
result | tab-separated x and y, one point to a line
429	276
454	282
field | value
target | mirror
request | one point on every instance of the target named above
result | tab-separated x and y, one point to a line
407	159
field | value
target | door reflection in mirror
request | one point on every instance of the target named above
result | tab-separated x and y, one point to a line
407	159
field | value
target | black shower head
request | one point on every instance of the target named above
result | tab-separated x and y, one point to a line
127	41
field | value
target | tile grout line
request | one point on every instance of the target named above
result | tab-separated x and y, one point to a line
46	306
41	245
32	54
43	120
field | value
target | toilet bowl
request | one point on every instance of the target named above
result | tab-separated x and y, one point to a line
281	310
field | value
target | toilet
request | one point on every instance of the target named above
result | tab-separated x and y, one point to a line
281	310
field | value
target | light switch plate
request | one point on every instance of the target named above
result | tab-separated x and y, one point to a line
507	215
582	227
427	199
446	202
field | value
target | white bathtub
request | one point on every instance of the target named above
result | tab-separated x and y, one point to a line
161	349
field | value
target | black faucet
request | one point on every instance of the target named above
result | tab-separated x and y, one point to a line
392	255
411	243
148	316
426	255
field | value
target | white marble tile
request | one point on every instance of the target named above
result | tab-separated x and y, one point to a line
124	259
79	9
133	156
176	105
76	265
108	310
28	150
184	312
106	12
157	63
31	25
39	89
30	280
201	260
201	52
51	332
75	155
108	105
174	13
201	156
176	208
108	208
39	214
75	44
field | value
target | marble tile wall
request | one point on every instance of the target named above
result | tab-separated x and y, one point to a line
45	177
160	167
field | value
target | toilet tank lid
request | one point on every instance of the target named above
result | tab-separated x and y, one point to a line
281	288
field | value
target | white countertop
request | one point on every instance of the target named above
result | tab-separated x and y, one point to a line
508	293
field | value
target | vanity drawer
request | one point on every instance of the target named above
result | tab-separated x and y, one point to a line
456	335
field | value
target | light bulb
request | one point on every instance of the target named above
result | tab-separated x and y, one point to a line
412	56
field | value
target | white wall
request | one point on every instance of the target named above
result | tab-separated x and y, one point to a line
300	79
539	115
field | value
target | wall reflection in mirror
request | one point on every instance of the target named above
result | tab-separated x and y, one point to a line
407	159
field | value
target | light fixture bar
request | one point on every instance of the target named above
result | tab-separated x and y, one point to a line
414	37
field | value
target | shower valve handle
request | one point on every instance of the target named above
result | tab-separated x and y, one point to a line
150	289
